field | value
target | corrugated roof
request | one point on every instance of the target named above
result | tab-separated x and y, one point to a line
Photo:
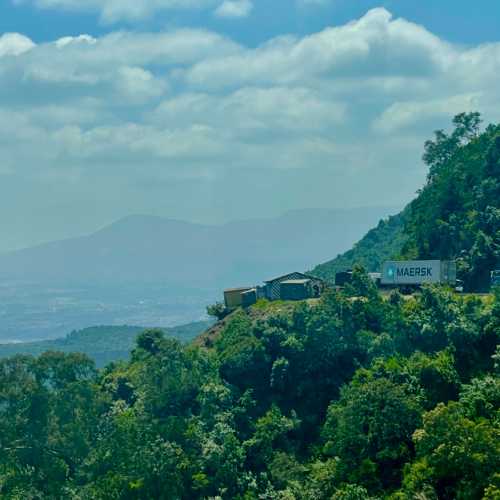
281	278
239	289
296	282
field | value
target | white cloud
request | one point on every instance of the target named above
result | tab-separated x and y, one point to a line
87	62
14	44
374	46
234	9
67	40
276	112
139	84
402	115
342	104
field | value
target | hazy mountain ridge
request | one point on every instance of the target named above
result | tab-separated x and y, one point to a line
154	271
148	249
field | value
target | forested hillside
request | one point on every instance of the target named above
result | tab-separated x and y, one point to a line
102	344
353	397
456	215
380	243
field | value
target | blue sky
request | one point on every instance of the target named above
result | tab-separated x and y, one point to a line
459	21
212	110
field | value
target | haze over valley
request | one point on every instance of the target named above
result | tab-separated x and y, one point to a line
153	271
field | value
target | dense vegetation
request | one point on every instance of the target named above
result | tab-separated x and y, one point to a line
455	216
351	397
102	344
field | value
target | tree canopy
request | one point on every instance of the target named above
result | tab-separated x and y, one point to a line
355	396
456	215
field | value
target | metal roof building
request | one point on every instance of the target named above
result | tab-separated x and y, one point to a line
273	286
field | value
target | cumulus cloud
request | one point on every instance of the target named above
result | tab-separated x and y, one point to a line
374	46
234	9
274	112
402	115
67	40
14	44
139	108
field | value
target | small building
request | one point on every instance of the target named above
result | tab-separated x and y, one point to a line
314	286
233	297
249	297
295	289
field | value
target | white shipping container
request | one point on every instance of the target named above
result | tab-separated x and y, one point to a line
418	272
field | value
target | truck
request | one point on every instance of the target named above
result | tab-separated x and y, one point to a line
344	278
411	274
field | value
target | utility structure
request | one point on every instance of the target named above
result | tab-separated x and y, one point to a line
233	297
291	286
293	283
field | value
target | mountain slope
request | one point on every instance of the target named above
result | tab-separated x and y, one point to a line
380	243
455	216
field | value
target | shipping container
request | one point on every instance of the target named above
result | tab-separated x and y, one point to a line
233	297
249	298
295	289
419	272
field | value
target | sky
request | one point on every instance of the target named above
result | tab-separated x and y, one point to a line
215	110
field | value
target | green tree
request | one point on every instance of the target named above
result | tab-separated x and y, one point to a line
457	457
370	429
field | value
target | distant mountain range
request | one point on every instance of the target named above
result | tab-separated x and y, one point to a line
145	250
154	271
